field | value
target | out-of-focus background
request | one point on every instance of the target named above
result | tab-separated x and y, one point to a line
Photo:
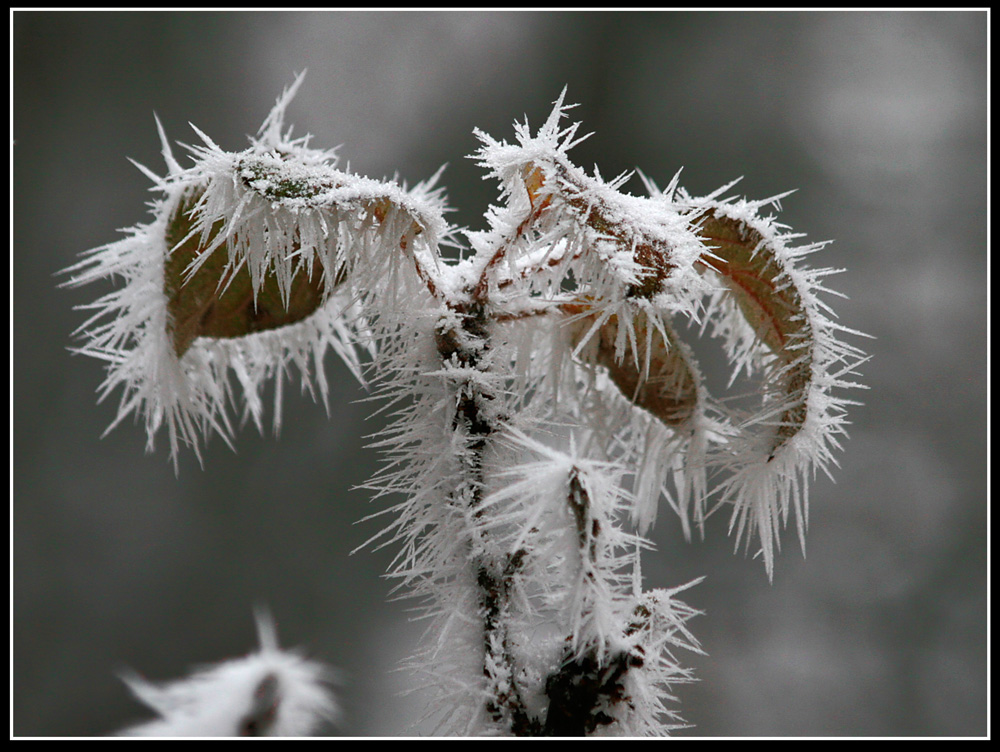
879	119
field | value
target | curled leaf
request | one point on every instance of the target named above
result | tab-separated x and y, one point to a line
218	300
770	303
646	361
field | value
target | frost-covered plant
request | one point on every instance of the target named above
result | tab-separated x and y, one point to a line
272	692
543	401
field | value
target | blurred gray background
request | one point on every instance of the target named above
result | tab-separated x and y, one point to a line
879	119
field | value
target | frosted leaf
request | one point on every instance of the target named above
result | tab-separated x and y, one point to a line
254	261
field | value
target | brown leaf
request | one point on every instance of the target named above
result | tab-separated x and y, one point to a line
207	305
668	388
771	304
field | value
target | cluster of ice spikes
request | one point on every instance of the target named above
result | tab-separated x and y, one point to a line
542	397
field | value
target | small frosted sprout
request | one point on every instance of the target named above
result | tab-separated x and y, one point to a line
268	693
544	403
